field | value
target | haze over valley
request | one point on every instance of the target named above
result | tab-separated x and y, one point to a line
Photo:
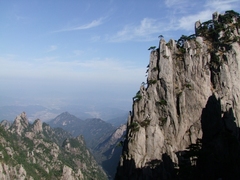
84	57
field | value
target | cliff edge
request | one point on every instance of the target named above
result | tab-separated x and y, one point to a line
188	111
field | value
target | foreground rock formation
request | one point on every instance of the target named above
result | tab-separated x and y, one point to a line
37	151
185	120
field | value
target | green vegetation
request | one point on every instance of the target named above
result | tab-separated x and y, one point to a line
166	57
145	123
29	143
137	97
152	48
168	45
163	121
154	163
162	102
187	165
219	34
160	36
189	86
134	127
74	143
215	60
182	40
151	81
120	143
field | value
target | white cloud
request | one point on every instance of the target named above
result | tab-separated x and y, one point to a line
179	7
175	3
143	32
77	52
52	48
92	24
95	38
221	5
187	22
181	15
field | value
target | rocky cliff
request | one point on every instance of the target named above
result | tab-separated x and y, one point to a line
37	151
190	103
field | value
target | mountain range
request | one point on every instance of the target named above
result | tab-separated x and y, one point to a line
101	137
46	113
30	151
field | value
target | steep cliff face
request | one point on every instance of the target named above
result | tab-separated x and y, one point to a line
172	110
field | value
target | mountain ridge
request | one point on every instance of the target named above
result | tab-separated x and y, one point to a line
31	151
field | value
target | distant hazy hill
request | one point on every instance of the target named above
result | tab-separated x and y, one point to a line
48	113
37	151
93	130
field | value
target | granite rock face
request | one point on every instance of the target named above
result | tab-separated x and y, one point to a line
171	111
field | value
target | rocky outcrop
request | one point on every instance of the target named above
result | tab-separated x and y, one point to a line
5	124
68	174
9	172
20	124
171	111
37	126
33	151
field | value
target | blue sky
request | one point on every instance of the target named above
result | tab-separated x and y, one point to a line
57	53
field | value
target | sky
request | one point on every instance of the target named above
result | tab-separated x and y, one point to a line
91	53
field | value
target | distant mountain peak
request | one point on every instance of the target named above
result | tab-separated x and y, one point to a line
65	119
66	113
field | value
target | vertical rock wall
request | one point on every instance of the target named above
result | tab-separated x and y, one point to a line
167	112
